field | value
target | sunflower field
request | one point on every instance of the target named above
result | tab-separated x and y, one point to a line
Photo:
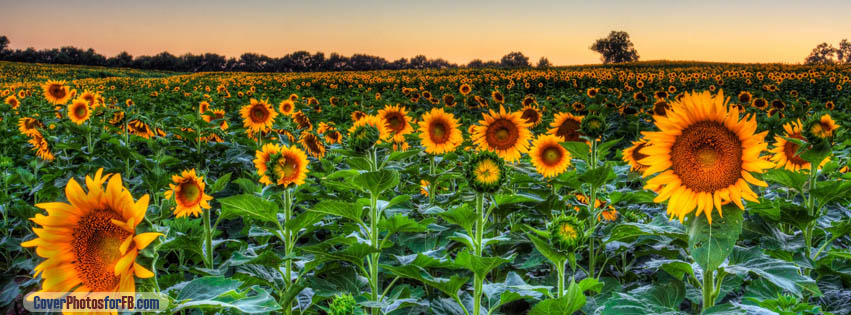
647	188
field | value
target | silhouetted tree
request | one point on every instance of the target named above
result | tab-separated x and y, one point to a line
476	63
123	60
515	60
544	63
843	53
824	53
4	42
616	48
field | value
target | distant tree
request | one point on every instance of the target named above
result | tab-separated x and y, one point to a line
476	63
401	63
544	63
336	62
418	62
515	60
4	42
843	53
824	53
492	64
616	48
123	60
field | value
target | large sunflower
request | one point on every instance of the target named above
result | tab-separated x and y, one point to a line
566	126
705	154
397	120
78	111
188	192
505	133
258	115
439	132
633	154
13	101
91	243
281	166
56	92
548	156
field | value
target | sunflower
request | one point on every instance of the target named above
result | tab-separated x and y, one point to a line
566	232
289	166
785	152
91	243
129	102
465	89
397	121
40	146
531	114
566	126
293	97
139	128
312	144
13	101
439	132
188	192
485	172
56	92
760	103
286	107
633	154
592	92
203	107
357	115
705	154
548	156
505	133
449	100
829	105
29	126
497	97
78	111
660	108
778	104
258	115
424	187
217	115
745	98
368	131
333	136
90	97
823	127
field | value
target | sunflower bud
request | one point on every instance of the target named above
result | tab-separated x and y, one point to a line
344	305
566	233
821	129
362	138
485	172
593	125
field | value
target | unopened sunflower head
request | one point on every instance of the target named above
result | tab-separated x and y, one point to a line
566	233
485	172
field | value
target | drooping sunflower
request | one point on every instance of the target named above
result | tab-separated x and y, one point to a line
823	127
40	146
281	166
357	115
397	120
367	132
139	128
505	133
91	243
286	107
705	154
548	156
424	187
188	192
439	132
29	126
660	108
531	114
485	172
333	136
498	97
56	92
633	155
217	115
78	111
203	107
302	121
258	115
566	232
785	152
312	144
566	126
745	98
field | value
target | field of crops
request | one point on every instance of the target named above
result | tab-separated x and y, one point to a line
649	188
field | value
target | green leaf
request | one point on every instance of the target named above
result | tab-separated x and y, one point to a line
544	247
378	181
737	309
661	298
502	200
783	274
710	244
220	292
249	206
449	286
598	176
401	155
794	180
220	183
304	220
340	209
591	284
400	223
660	226
676	268
462	216
480	266
827	191
267	258
572	301
578	150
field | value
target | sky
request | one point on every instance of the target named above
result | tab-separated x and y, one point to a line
562	31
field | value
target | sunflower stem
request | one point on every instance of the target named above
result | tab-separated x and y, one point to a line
592	255
478	249
708	290
208	243
288	243
560	270
373	261
433	183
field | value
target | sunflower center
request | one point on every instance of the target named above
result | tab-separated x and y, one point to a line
567	231
56	91
190	193
791	148
286	168
487	172
530	115
95	245
80	111
259	114
707	157
551	155
438	132
394	121
502	134
569	130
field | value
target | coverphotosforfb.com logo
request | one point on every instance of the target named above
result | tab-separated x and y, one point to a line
95	302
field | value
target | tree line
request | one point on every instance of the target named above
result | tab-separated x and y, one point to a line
825	53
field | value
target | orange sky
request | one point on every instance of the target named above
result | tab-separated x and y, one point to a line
751	31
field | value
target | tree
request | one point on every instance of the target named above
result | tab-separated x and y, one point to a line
824	53
476	63
616	48
4	42
515	60
843	53
544	63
